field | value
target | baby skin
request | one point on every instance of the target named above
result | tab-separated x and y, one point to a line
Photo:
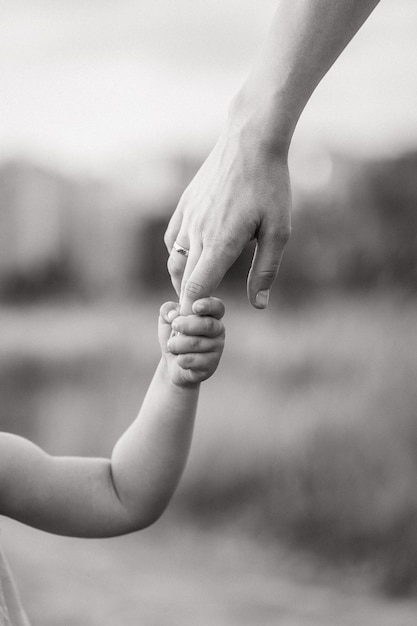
104	497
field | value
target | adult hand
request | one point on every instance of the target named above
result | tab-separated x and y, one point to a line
242	192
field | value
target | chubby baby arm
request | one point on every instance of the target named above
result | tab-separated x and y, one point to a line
99	497
156	445
192	345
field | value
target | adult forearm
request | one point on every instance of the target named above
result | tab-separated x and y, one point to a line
305	39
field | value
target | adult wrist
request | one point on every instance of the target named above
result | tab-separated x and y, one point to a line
259	117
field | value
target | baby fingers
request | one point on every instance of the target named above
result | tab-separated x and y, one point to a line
184	344
199	362
195	325
209	306
169	311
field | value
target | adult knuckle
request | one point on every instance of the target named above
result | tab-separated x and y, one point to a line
270	274
283	233
193	289
223	248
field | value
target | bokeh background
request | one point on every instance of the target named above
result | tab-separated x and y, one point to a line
299	502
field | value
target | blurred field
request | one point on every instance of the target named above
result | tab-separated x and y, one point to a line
303	466
177	575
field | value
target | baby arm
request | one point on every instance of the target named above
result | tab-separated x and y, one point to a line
97	497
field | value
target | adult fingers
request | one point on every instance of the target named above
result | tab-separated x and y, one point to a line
177	261
265	265
173	229
207	274
195	325
192	260
209	306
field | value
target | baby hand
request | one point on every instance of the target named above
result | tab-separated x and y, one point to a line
193	350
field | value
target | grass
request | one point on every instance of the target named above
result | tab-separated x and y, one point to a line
312	434
306	436
180	575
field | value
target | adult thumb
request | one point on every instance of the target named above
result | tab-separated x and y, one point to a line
265	266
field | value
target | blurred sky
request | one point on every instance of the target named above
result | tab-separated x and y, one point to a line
87	82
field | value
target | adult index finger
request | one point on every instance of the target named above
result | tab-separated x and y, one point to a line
206	275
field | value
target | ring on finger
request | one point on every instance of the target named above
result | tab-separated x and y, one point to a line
180	249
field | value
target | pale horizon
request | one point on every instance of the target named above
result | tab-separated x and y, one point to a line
87	85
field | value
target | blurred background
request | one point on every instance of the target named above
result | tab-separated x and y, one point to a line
299	502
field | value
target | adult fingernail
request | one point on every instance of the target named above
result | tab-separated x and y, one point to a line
262	298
